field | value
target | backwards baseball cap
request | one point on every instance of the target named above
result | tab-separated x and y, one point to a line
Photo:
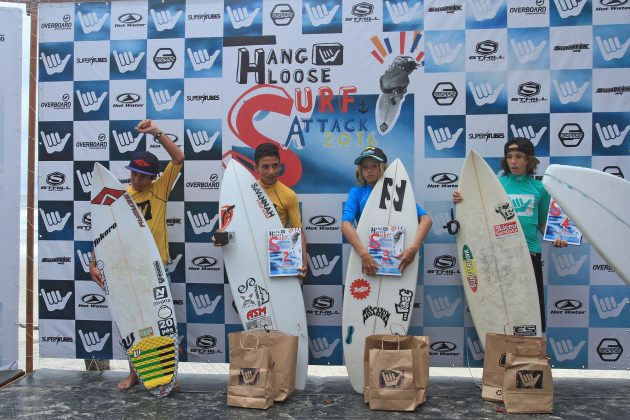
520	144
371	152
144	163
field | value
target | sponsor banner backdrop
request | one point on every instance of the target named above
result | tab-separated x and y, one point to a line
12	66
426	81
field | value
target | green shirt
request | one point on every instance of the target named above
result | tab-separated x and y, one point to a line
531	203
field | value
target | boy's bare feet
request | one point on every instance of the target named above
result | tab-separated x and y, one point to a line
129	382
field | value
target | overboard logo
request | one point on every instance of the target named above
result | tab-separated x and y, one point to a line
609	349
63	104
64	25
99	144
211	184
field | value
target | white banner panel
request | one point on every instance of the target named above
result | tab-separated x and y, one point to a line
12	20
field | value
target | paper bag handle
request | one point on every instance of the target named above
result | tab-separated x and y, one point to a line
383	342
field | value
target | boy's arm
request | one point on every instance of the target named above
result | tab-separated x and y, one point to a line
149	127
368	265
95	273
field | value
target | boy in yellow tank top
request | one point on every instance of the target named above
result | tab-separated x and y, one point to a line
267	165
150	193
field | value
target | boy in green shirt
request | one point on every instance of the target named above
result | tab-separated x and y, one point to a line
530	201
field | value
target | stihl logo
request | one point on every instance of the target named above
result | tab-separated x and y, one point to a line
107	196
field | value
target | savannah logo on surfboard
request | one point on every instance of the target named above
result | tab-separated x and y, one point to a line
107	196
470	268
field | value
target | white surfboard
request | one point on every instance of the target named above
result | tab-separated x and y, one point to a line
599	204
379	304
137	290
262	302
495	263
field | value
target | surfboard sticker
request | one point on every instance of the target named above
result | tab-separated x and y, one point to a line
505	229
360	289
470	268
262	302
379	304
227	214
154	360
265	205
405	303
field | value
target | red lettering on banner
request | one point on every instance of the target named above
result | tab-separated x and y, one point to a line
241	122
325	99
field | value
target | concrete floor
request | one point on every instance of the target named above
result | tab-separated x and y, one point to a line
55	393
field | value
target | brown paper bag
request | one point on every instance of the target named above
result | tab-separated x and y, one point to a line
283	353
396	372
497	347
528	384
249	383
